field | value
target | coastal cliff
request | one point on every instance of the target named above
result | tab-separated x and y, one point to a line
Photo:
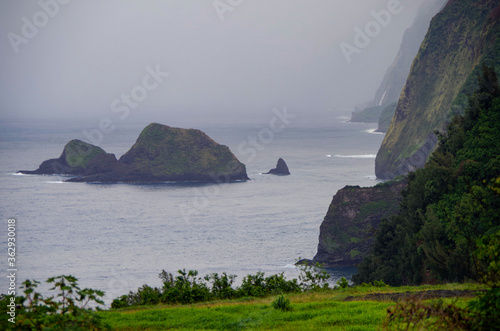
460	38
394	79
348	229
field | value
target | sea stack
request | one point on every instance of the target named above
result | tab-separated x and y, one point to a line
281	169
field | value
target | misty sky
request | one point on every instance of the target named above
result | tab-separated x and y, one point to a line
234	64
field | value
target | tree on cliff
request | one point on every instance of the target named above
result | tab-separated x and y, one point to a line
450	205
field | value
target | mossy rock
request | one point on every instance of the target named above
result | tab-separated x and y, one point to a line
77	158
78	153
177	154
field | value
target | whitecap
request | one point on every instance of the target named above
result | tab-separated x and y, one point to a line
328	155
361	156
373	131
55	182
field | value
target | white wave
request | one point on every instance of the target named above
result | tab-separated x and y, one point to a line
55	182
363	156
371	177
290	266
373	131
328	155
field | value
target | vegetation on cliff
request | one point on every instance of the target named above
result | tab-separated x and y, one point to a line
348	230
161	153
367	115
77	158
390	89
168	153
450	214
462	36
386	117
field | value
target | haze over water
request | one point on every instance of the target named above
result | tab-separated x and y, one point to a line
118	237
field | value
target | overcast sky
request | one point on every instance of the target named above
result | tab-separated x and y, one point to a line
192	60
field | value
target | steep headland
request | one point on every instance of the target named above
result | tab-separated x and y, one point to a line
462	36
394	79
161	153
348	229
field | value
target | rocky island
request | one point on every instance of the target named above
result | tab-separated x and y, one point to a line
160	154
281	169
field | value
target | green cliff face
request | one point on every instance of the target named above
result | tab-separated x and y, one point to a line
385	118
462	36
395	77
348	231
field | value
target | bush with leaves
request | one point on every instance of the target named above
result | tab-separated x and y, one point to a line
282	303
187	288
68	310
313	277
184	288
222	286
343	283
416	314
258	285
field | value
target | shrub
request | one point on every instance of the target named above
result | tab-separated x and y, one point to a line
185	288
222	286
282	303
419	315
313	276
343	283
70	311
253	286
379	283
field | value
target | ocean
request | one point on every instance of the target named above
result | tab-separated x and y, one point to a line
118	237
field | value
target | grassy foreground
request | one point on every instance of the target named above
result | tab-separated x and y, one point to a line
321	310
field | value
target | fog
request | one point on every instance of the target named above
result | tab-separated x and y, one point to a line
194	62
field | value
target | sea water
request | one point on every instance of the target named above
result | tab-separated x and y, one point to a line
117	237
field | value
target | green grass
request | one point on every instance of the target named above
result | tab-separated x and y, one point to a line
310	311
309	315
